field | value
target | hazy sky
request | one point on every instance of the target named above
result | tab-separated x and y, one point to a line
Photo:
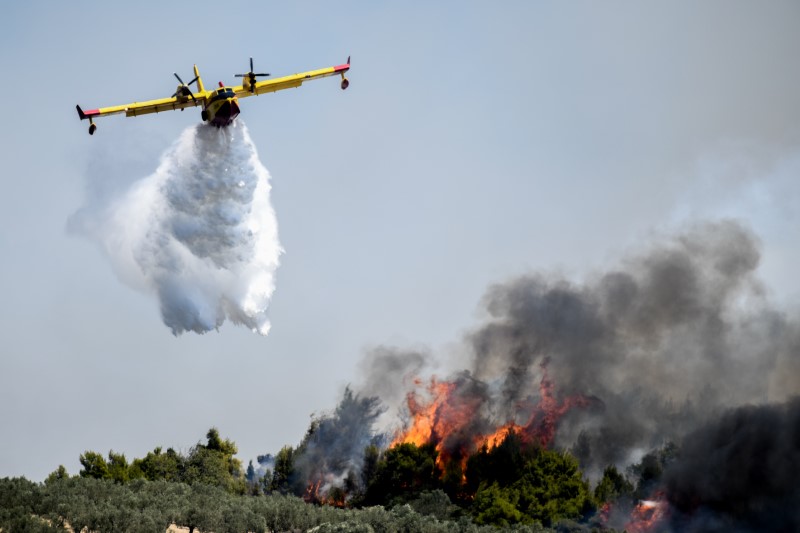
477	141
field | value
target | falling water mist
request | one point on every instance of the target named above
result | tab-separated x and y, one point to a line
200	232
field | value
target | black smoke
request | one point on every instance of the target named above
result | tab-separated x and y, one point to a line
740	473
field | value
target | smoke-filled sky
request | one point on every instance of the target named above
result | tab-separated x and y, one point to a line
478	143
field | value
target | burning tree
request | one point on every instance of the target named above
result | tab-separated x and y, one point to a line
453	416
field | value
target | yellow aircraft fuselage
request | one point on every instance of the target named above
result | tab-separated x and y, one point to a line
221	108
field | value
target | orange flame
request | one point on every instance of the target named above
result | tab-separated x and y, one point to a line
312	492
444	414
427	417
313	495
498	436
648	514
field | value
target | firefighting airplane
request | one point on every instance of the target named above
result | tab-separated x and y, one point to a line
220	106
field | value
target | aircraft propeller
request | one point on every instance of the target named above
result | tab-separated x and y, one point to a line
252	76
183	88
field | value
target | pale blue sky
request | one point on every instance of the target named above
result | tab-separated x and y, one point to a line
478	140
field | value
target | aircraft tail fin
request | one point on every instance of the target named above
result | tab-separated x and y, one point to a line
81	114
200	87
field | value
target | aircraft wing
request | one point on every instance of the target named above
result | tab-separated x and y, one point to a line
143	108
289	82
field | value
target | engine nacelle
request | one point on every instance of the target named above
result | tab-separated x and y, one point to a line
183	92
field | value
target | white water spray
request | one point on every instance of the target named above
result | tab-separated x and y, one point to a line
200	232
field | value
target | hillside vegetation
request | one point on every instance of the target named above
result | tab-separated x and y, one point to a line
512	486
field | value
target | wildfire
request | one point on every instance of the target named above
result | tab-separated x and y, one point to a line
333	496
444	414
498	436
449	415
312	492
428	419
542	425
647	514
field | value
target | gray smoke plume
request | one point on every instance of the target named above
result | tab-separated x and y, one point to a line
199	232
676	335
333	448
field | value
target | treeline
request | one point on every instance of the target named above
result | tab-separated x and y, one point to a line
409	488
142	506
212	463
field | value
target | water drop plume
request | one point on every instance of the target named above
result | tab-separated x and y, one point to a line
200	232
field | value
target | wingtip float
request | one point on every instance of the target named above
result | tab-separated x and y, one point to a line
220	105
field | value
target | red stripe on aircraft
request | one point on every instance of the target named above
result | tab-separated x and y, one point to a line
91	112
340	68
